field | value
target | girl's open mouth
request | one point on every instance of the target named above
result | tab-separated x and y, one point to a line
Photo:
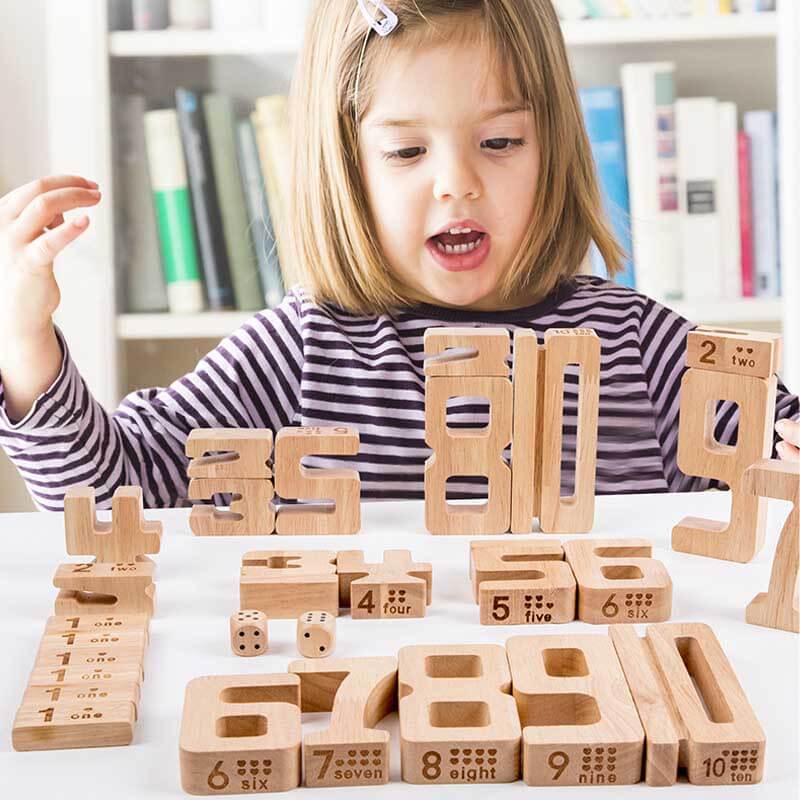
459	252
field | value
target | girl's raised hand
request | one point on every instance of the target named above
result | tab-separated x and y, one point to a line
789	431
32	233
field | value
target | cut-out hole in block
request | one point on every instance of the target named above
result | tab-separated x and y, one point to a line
569	429
708	690
513	558
640	551
453	666
461	714
621	572
565	662
275	562
239	726
257	694
94	599
467	489
468	413
562	709
718	413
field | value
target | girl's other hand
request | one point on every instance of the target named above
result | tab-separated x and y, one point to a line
789	431
32	233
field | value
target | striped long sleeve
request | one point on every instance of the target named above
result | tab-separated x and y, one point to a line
309	364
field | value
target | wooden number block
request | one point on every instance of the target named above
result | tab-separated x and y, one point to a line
699	453
241	734
476	351
316	634
579	723
285	583
98	624
128	535
526	430
105	588
251	511
86	724
81	640
779	607
694	711
619	581
753	353
334	494
505	561
574	514
548	599
398	587
249	633
237	453
467	452
97	676
359	693
53	655
59	696
458	722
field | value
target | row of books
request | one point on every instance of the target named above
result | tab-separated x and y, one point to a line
619	9
226	15
691	197
200	196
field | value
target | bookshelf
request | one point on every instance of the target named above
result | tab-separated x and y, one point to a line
750	59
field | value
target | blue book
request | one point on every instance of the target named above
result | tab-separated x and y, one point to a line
602	114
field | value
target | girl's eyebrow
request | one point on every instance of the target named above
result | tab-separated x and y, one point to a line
417	123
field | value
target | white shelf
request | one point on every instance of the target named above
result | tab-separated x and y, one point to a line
205	325
177	43
746	310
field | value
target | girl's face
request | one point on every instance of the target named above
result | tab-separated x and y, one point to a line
437	146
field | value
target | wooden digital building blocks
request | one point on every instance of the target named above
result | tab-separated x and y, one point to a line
241	734
458	721
85	685
779	607
738	366
316	634
472	363
359	693
694	712
249	633
238	462
398	587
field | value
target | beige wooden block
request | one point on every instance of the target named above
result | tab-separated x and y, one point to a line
700	454
125	588
241	734
721	741
619	581
128	535
335	494
525	429
102	675
467	452
505	560
316	634
251	511
779	607
548	599
573	514
458	722
249	633
237	453
398	587
81	640
579	723
60	696
89	724
54	655
98	624
739	352
467	351
285	583
359	693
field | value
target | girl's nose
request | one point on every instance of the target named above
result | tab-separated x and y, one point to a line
455	178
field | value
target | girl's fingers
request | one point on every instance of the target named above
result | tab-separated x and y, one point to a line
30	223
57	220
13	204
788	452
42	251
789	431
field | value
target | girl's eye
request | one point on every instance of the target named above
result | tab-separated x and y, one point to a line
498	145
406	154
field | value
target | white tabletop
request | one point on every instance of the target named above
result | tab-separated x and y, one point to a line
198	590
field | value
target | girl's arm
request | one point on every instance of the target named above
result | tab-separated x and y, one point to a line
662	339
251	379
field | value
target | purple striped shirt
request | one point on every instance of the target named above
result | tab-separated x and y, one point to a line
305	364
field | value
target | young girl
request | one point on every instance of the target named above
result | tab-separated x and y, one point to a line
442	177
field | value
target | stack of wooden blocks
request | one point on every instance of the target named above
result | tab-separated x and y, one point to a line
85	686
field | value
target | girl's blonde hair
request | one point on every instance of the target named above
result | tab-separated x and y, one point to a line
329	232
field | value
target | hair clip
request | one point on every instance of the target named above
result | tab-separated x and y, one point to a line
384	26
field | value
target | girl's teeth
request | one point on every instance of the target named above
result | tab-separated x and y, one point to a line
458	249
